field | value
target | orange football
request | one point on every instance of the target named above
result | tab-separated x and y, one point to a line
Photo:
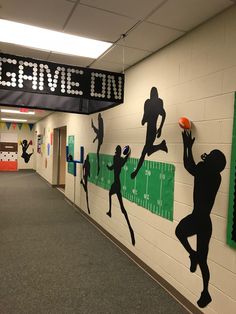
185	123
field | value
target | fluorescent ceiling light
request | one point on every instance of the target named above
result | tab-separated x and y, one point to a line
45	39
14	120
17	111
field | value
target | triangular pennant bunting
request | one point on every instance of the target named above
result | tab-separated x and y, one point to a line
31	125
19	126
25	126
8	124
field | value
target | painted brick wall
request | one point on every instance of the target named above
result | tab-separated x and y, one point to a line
195	77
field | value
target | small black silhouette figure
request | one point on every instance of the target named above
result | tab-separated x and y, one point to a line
207	181
25	155
84	180
118	163
99	137
153	108
70	157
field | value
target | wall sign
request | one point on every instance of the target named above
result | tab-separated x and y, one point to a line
8	156
39	143
35	83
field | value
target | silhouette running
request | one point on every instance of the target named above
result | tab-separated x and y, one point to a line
84	180
99	137
153	108
118	163
25	155
207	181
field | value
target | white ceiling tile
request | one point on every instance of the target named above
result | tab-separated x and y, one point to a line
98	24
132	8
186	14
45	13
69	60
131	55
151	37
108	20
107	66
23	51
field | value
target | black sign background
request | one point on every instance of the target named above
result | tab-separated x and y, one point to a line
28	82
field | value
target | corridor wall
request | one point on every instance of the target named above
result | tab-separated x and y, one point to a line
195	77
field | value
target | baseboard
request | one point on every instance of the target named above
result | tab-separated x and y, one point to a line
166	285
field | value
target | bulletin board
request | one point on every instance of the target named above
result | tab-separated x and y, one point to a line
153	187
231	226
71	141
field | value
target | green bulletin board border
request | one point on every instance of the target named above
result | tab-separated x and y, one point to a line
153	187
232	186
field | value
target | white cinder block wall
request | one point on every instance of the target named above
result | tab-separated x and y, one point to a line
195	77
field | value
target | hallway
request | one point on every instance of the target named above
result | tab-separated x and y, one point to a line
52	260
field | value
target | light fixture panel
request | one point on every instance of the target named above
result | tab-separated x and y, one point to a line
48	40
13	120
17	111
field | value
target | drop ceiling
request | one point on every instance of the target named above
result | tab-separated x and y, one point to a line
39	114
148	25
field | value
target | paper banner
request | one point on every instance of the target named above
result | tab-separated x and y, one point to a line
8	124
48	149
152	189
14	125
43	148
51	138
31	125
2	125
19	125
